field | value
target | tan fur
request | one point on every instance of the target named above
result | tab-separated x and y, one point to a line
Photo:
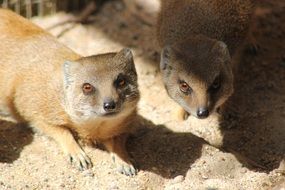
199	38
181	114
32	90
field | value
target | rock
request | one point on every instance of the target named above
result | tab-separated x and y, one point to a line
178	179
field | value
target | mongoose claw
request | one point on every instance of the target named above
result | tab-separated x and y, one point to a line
80	161
123	167
127	169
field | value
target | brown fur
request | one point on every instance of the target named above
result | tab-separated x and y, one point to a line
40	83
199	38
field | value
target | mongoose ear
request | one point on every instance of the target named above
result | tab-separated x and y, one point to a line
68	67
222	48
126	53
165	58
125	57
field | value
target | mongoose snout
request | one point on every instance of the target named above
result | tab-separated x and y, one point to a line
202	113
110	106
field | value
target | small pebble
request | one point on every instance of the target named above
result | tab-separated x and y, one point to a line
88	173
178	179
154	168
113	186
231	176
204	176
244	170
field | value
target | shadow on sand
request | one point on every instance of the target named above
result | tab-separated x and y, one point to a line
254	124
13	138
162	151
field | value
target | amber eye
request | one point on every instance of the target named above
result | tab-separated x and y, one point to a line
87	88
184	87
121	82
216	84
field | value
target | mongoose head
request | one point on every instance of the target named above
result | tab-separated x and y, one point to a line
100	86
197	74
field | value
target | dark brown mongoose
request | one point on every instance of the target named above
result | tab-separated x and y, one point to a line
199	39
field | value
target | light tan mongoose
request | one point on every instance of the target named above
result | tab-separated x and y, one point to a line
47	85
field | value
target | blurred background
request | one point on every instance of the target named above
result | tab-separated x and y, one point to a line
29	8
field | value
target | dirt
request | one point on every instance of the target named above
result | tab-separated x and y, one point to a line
245	150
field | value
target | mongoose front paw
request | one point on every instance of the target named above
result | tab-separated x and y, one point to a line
124	168
185	115
80	160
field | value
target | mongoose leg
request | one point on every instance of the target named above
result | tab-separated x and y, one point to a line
119	154
70	147
253	45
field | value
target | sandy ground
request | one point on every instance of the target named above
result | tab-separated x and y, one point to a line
242	151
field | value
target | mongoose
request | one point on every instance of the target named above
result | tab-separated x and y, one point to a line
65	95
199	39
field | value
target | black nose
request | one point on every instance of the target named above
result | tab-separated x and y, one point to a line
202	113
109	106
